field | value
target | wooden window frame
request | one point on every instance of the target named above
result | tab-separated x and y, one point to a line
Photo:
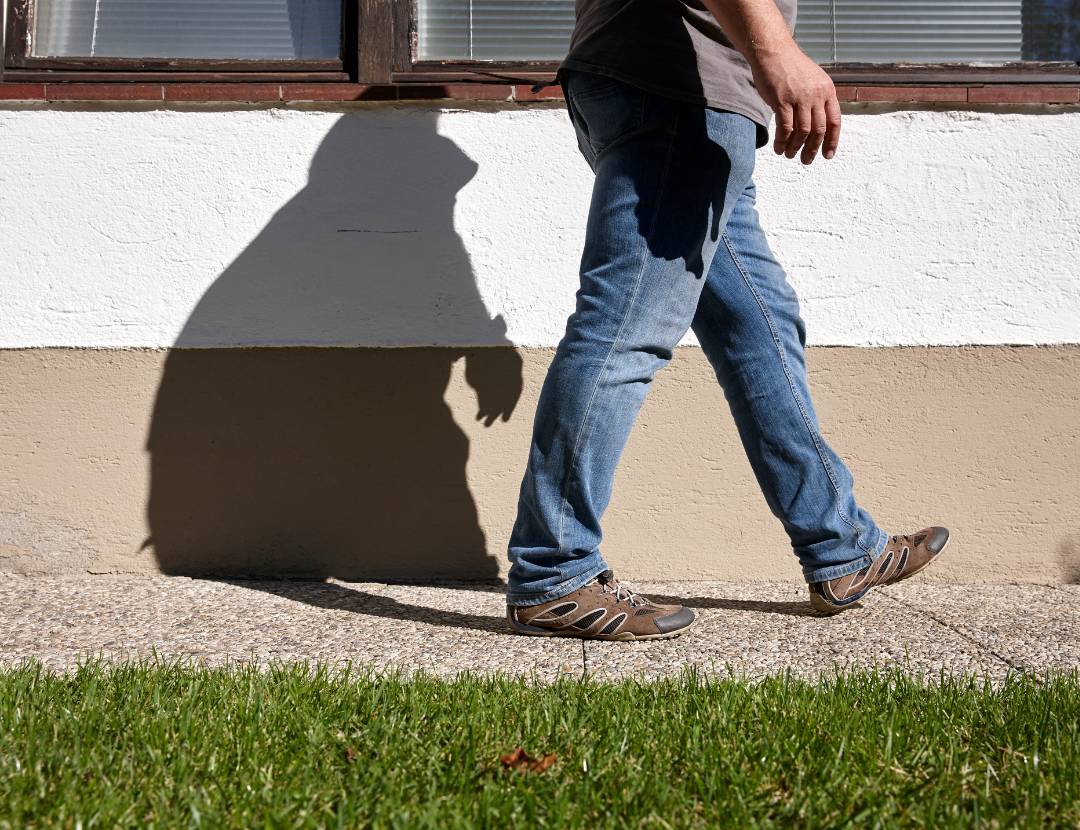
379	42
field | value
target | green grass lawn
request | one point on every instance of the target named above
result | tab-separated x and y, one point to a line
178	746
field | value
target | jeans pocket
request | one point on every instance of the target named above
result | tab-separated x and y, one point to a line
604	109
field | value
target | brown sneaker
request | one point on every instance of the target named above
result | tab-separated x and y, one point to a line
601	610
903	557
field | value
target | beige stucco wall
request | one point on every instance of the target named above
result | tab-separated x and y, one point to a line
369	463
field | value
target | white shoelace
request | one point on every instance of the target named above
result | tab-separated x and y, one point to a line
620	591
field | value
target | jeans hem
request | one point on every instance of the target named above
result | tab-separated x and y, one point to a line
837	571
558	592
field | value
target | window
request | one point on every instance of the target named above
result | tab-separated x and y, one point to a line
220	29
435	41
497	30
177	35
939	31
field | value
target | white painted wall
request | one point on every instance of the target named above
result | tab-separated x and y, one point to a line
414	225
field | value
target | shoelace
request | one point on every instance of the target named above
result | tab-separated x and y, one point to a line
635	599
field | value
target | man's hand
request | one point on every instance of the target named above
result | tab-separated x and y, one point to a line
804	100
799	91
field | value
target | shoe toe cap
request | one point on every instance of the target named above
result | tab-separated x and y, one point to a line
941	536
673	622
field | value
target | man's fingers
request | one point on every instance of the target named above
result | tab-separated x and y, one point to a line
810	128
832	129
817	135
803	117
783	129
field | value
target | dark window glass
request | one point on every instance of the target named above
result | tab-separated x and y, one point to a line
1051	30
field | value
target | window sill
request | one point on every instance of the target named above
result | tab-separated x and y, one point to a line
340	92
269	93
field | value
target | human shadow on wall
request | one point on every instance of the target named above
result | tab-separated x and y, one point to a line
343	462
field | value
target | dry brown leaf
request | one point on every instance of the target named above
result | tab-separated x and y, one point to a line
521	761
515	759
350	754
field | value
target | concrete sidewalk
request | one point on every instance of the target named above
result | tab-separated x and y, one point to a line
753	629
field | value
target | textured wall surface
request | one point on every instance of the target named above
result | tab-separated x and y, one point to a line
370	463
408	225
127	232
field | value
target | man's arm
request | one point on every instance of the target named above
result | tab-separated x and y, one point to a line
799	91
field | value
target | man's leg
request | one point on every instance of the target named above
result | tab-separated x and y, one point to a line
667	177
749	326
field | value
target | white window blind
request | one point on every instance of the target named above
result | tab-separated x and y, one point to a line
221	29
495	30
916	31
874	31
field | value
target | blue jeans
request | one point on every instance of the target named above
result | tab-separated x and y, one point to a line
673	242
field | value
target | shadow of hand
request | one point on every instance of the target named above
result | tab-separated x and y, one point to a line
495	374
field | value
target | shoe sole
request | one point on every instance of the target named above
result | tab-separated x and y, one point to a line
823	606
622	637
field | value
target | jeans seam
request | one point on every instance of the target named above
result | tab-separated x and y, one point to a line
597	149
617	339
794	393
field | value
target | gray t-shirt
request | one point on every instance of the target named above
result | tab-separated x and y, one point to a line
670	47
